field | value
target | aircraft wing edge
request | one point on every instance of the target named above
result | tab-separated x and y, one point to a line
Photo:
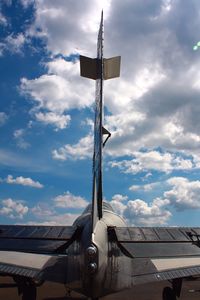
24	264
8	269
165	275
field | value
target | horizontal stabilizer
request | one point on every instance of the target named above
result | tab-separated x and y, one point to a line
21	263
159	253
36	238
91	67
35	266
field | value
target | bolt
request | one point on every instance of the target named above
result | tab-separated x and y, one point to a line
92	267
91	251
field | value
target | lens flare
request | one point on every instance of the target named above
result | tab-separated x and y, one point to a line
195	47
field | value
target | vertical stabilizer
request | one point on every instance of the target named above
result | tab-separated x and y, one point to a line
98	69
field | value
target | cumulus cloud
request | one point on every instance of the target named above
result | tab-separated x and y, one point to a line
119	198
185	194
13	209
23	181
56	23
153	160
117	203
61	89
58	121
155	103
138	212
15	43
166	103
83	149
68	200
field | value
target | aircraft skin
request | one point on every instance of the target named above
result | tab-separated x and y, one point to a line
99	254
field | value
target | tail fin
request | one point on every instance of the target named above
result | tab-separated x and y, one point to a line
99	69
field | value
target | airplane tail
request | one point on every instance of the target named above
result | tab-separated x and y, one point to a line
99	69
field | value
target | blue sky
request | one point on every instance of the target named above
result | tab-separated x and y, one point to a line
152	162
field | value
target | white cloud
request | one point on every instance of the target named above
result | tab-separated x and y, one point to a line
153	160
3	118
27	3
43	211
117	203
13	209
23	181
119	198
82	150
61	89
55	220
145	187
56	23
123	94
154	105
3	20
19	137
118	207
184	194
14	43
48	215
59	121
150	104
68	200
139	212
18	133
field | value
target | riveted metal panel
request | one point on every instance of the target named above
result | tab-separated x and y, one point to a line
156	234
41	232
136	234
152	249
163	234
196	230
36	232
150	234
30	245
26	231
123	234
55	232
177	234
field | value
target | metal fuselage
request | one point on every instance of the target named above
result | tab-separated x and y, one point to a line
96	262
